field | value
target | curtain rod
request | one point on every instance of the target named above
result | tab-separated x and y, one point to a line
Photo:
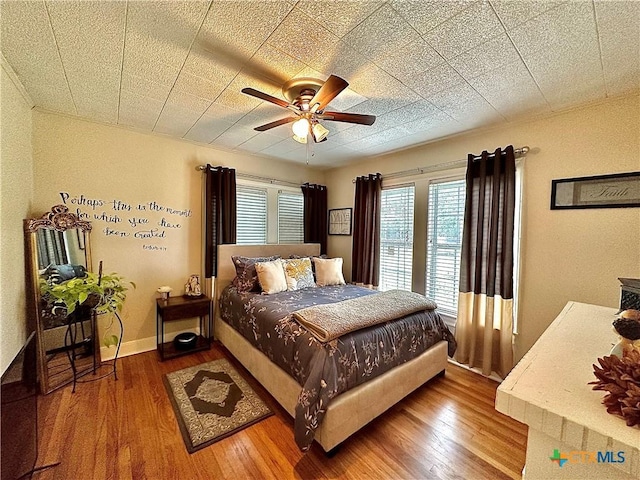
248	176
519	152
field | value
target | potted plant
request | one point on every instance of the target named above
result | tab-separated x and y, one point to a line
103	293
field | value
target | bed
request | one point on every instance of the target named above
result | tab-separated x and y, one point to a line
350	409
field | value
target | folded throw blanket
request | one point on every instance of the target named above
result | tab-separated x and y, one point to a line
327	322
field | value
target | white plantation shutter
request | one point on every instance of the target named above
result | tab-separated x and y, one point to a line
290	217
444	243
251	227
396	237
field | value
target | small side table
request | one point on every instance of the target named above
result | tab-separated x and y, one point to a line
176	308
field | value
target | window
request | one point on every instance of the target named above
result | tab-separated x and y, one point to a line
268	214
290	217
251	227
444	243
396	237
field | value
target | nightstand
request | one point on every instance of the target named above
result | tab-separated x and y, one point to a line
177	308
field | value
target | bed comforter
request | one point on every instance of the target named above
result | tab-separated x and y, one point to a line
325	370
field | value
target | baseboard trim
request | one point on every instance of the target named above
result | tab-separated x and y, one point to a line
134	347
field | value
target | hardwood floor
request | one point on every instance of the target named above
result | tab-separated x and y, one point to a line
126	429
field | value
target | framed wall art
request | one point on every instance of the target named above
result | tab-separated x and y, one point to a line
340	221
602	191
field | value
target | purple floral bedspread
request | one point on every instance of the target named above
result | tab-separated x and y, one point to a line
325	370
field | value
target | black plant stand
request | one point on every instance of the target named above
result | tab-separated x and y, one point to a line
70	340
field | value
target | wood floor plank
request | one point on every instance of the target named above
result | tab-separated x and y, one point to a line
127	429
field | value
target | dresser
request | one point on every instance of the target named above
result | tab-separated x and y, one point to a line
548	390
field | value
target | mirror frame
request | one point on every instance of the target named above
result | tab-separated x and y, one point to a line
59	219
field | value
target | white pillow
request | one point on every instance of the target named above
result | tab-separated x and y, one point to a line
328	271
271	277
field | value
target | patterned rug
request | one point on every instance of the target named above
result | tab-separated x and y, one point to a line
212	401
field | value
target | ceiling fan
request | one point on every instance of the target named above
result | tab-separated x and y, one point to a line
307	99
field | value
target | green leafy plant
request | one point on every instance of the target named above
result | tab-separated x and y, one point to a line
105	294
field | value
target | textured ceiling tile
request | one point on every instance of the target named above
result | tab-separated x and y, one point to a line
224	113
207	129
346	100
373	82
269	62
89	32
138	110
469	28
176	120
462	93
490	55
410	113
90	38
235	136
425	15
51	97
619	29
379	106
339	17
143	87
150	69
511	91
304	43
560	48
29	46
439	78
198	86
382	33
474	113
186	101
260	142
236	29
280	148
341	60
209	65
514	13
410	59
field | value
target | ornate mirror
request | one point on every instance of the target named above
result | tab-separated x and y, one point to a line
59	249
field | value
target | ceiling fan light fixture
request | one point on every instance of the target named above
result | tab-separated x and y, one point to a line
300	139
319	132
301	128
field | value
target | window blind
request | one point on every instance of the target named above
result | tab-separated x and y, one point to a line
290	217
444	243
251	211
396	237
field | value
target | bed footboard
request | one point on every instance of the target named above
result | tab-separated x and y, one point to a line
350	411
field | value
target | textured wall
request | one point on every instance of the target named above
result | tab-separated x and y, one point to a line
157	241
566	255
16	187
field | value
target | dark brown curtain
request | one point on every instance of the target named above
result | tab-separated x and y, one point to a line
315	215
220	212
365	261
484	328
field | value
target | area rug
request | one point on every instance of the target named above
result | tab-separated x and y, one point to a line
212	401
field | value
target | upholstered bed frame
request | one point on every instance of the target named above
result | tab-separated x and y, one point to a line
349	411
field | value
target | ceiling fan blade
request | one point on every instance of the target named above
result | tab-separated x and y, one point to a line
328	91
264	96
348	117
277	123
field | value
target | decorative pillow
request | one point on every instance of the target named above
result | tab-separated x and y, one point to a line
62	273
271	277
329	271
246	277
298	273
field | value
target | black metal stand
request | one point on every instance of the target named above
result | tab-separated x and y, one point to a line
70	337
